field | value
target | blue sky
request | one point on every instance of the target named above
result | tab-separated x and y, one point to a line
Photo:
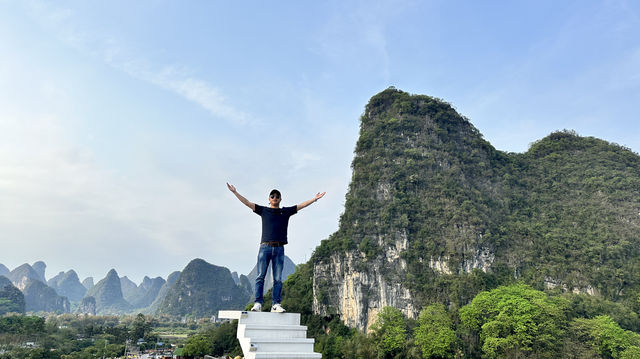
120	122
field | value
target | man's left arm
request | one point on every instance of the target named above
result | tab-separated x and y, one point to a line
307	203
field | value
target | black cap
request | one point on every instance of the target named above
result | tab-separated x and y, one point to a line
276	192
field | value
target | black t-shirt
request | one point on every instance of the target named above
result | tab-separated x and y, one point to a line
275	222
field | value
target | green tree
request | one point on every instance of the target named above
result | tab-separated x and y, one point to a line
434	334
357	346
141	327
606	337
389	332
198	345
224	341
631	353
515	321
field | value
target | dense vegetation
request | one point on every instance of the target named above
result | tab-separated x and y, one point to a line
70	336
513	321
11	298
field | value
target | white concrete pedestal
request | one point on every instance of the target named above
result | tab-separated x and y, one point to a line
265	335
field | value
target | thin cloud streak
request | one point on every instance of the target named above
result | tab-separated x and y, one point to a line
173	78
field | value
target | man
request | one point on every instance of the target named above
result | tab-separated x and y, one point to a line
275	221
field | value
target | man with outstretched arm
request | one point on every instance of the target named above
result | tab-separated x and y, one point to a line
275	221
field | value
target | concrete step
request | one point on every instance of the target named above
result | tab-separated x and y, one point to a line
281	345
271	331
283	355
248	317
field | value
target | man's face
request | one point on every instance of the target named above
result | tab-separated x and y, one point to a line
274	200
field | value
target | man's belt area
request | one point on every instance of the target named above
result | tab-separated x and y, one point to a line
272	244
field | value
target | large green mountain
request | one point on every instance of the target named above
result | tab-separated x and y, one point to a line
434	213
202	290
108	295
68	284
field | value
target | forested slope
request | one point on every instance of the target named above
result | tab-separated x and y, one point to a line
434	213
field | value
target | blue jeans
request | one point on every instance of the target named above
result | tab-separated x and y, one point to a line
275	255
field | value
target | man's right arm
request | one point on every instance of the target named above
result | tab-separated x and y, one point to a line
241	198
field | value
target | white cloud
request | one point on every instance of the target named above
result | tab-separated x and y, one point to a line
194	90
175	78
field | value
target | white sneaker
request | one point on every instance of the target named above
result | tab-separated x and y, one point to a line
277	308
257	307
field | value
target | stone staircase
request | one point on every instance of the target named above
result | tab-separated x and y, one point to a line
265	335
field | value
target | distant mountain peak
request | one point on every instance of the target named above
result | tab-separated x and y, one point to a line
68	285
201	290
108	295
40	268
21	275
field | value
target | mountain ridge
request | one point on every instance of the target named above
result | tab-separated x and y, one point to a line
111	295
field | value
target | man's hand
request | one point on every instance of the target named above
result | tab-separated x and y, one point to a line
241	198
314	199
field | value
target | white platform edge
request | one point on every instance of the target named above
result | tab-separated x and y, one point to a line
230	314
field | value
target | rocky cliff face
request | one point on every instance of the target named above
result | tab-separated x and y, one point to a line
359	293
88	306
434	213
40	297
21	276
